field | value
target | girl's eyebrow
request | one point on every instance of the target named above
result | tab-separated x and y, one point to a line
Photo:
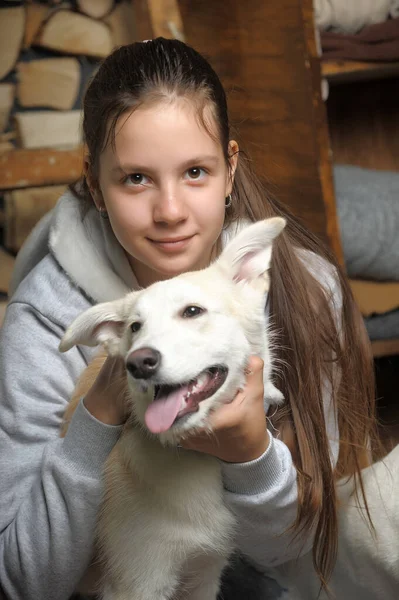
192	162
199	160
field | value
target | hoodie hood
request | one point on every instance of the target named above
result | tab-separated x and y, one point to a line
93	258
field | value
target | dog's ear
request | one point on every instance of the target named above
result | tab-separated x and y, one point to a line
247	257
102	324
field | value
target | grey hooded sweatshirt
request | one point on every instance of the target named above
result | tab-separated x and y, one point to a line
51	488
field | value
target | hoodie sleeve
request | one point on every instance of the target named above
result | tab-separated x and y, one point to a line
263	495
50	488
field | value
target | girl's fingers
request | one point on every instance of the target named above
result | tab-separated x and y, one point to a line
255	365
227	415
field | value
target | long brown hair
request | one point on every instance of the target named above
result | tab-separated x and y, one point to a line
319	346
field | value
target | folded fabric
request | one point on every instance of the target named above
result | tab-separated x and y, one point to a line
394	11
383	327
350	17
374	43
368	212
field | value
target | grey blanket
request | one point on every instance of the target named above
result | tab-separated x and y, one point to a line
368	212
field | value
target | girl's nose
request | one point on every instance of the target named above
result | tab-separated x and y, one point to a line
170	207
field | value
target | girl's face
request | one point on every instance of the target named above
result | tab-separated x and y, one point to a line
164	188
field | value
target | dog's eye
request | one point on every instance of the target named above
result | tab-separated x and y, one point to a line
192	311
135	326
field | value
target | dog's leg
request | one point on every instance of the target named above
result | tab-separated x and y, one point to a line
205	583
161	586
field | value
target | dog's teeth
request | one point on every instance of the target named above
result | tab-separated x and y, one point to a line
200	382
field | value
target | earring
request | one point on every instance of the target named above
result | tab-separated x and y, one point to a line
228	201
103	213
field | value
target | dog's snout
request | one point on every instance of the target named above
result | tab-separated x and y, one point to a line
143	363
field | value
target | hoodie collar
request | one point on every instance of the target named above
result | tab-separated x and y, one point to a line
92	256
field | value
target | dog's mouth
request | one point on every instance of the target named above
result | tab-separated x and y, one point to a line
171	402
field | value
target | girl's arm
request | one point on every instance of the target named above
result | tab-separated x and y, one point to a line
263	493
50	487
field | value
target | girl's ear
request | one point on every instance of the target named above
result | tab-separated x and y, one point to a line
92	184
247	257
233	151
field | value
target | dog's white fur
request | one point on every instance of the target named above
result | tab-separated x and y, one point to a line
164	530
367	565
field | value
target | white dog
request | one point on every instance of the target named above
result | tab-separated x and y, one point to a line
164	530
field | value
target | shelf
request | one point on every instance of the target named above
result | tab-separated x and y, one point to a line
385	348
375	297
346	71
47	166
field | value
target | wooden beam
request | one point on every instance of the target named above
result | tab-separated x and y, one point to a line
12	26
73	33
385	347
375	297
7	264
166	19
27	168
158	18
49	82
271	81
343	71
24	208
320	129
38	129
122	23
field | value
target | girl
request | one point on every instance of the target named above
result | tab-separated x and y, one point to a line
163	185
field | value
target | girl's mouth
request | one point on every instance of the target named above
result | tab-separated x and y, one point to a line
172	244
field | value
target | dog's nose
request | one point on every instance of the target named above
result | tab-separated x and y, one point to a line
143	363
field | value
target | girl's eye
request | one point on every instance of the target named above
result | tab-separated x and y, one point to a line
196	173
136	326
136	179
192	311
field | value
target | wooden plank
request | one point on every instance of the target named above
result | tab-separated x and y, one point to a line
320	131
7	93
6	267
49	129
35	15
375	296
12	25
166	19
142	20
6	146
3	308
24	208
385	348
343	71
74	33
50	82
26	168
158	18
364	124
122	22
97	9
265	55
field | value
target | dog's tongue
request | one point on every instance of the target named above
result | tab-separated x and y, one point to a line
162	411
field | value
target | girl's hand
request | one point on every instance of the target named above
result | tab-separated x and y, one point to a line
239	429
106	399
